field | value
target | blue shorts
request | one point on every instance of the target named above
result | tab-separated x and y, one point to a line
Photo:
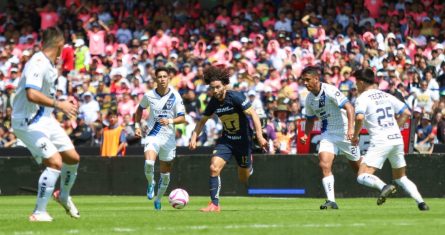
242	152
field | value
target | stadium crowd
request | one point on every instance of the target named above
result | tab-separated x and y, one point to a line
113	47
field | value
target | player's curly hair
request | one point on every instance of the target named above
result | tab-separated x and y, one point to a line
216	74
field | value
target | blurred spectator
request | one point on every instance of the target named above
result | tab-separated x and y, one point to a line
82	135
129	130
90	108
425	136
114	141
82	55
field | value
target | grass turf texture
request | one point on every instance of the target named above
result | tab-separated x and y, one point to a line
239	215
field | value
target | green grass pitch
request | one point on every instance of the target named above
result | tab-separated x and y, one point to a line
239	215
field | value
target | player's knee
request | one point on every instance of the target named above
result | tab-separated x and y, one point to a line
324	165
75	158
214	169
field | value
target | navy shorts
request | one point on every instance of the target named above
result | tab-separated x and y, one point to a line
242	152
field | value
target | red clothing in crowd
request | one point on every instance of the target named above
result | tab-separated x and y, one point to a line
67	58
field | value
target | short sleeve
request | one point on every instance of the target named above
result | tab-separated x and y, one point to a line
397	105
35	73
241	101
210	109
179	106
360	106
309	112
144	102
339	98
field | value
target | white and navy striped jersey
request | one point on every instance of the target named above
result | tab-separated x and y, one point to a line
327	106
380	109
168	106
40	74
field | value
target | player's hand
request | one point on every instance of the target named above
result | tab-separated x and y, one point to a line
192	144
355	140
163	121
263	143
68	108
138	132
303	139
350	134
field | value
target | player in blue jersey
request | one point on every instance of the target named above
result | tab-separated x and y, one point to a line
233	109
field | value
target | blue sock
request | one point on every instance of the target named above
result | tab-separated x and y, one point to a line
215	187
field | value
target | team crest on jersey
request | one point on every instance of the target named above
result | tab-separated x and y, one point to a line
170	102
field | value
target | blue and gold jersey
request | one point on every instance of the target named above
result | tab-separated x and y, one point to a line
231	113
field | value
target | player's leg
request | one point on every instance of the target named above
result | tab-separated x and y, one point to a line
166	156
245	168
216	165
149	169
41	148
373	160
70	159
151	151
399	175
326	155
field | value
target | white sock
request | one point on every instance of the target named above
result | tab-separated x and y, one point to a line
47	181
328	184
67	179
371	181
149	170
410	188
163	185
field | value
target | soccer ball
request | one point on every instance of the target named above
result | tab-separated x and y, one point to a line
178	198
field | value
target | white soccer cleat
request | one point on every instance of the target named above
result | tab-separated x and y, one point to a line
69	207
40	217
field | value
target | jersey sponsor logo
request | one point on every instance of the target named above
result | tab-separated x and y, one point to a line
337	93
223	110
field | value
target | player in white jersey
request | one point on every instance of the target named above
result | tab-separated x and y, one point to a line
330	105
40	132
166	110
382	114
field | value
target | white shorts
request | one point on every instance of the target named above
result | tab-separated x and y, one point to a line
377	155
340	146
164	147
43	138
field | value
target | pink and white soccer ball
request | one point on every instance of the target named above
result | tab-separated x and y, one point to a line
178	198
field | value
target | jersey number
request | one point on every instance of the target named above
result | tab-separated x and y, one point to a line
385	117
230	122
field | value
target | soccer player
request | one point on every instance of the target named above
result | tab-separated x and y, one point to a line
382	115
232	108
328	104
40	132
166	110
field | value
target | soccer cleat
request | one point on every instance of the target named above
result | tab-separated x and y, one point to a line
423	206
157	204
151	190
329	205
387	191
69	207
211	208
40	217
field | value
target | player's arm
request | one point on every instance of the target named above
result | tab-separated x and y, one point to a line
359	118
137	121
197	131
401	119
350	114
258	129
39	98
138	115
